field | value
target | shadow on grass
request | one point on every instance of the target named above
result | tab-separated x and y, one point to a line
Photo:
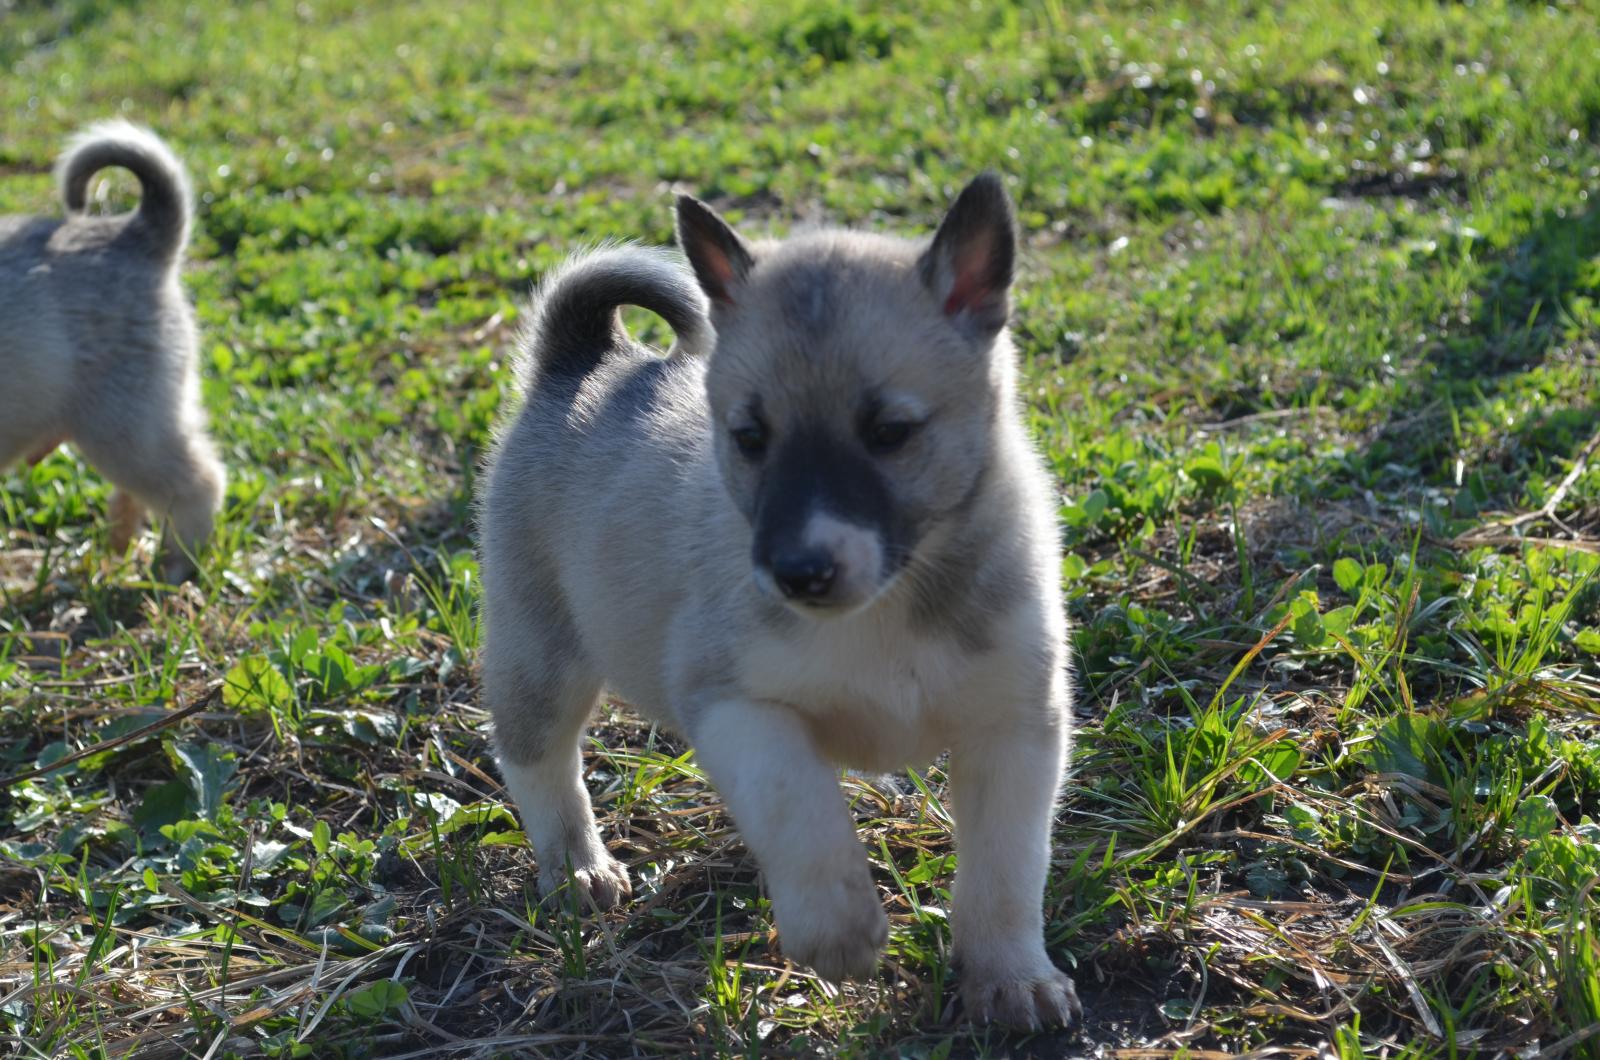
1519	321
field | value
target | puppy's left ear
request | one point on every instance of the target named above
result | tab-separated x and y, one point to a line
972	259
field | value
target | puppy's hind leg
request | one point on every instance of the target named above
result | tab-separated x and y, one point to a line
541	692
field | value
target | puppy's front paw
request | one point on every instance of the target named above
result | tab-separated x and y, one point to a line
834	925
1030	1001
603	884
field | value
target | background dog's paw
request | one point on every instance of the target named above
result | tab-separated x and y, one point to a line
603	885
1030	1002
177	570
836	927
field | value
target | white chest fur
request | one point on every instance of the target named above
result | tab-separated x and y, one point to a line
875	693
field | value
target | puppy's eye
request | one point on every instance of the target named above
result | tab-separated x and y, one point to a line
889	435
751	439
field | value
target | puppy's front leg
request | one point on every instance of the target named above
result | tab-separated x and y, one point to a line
1003	786
785	799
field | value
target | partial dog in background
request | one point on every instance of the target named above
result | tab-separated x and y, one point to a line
98	344
815	534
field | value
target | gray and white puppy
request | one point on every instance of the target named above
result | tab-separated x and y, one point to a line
98	344
817	535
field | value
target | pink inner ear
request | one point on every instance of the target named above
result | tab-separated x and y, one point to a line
962	296
968	290
722	270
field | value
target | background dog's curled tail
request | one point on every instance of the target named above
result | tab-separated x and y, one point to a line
575	310
164	203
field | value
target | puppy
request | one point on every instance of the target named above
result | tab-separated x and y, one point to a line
98	344
814	534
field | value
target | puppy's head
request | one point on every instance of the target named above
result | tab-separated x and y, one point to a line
853	389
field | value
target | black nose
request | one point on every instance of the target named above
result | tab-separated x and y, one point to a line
803	575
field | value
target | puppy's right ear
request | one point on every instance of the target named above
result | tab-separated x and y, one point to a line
719	257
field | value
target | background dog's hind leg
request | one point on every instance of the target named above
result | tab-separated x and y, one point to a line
541	693
126	515
173	473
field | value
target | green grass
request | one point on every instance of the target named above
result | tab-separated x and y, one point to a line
1310	313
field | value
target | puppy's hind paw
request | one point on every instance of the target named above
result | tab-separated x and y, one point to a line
1025	1002
603	886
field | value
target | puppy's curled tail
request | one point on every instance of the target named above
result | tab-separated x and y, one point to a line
164	204
575	310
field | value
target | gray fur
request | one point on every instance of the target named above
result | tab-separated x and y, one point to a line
621	518
98	344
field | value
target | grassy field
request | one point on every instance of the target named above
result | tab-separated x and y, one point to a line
1310	313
